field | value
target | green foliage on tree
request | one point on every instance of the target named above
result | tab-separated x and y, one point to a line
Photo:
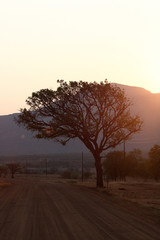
96	113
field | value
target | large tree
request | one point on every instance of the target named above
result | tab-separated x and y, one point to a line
96	113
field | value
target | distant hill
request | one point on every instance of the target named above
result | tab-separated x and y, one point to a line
16	140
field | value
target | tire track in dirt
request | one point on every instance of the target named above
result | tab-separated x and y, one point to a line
33	209
107	219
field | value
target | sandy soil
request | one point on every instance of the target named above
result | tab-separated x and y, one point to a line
147	193
3	183
144	193
43	209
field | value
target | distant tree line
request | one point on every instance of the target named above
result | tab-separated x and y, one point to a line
118	166
12	168
55	161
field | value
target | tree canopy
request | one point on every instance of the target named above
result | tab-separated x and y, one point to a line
115	165
154	155
96	113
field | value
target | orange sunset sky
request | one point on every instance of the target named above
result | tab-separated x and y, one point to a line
45	40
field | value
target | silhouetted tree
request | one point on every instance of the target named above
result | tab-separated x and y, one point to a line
3	171
134	161
144	169
115	165
13	168
154	155
97	114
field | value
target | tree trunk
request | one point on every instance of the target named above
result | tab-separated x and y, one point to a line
99	171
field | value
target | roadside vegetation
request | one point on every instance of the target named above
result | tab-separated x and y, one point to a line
11	169
118	166
129	176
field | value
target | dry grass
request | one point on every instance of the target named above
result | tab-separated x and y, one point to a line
144	193
4	184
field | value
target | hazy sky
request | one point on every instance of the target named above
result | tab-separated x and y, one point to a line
45	40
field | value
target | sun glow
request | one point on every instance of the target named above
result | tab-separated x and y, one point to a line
154	73
42	41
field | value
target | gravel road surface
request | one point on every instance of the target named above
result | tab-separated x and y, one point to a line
39	209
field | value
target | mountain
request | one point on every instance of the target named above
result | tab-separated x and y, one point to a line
147	106
16	140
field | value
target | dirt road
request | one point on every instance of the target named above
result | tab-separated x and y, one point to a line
34	209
